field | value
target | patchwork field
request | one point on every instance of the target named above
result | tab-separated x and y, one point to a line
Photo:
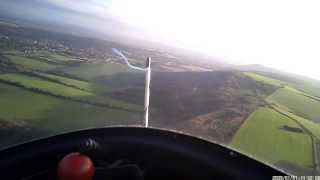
31	63
263	136
53	103
55	57
37	83
310	89
291	116
265	79
297	103
312	127
68	81
96	69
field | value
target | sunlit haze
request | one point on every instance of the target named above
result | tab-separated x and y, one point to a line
283	34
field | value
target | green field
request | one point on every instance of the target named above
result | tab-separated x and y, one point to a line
305	84
312	127
60	58
313	90
66	91
52	87
16	103
55	56
297	103
57	115
31	63
43	111
261	137
264	79
93	70
73	82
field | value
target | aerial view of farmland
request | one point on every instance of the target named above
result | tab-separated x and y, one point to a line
54	81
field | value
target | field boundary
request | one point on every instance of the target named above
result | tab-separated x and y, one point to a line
314	139
35	74
36	90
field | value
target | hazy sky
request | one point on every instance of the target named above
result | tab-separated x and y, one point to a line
284	34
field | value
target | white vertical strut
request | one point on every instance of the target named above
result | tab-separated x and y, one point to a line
147	70
147	92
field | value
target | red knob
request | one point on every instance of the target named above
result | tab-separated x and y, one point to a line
76	166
